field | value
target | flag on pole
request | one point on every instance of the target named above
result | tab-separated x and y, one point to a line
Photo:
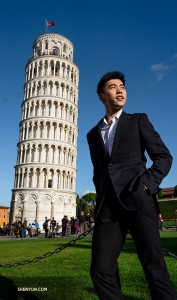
50	23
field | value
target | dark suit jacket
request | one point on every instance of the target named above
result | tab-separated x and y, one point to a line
126	168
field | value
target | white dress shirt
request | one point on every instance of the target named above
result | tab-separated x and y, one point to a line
108	131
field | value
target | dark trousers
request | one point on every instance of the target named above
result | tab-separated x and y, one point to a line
108	240
46	232
63	230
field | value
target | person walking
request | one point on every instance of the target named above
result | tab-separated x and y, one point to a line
45	227
16	228
24	227
82	220
64	224
53	224
37	227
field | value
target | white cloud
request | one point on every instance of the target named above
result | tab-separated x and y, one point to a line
174	57
161	70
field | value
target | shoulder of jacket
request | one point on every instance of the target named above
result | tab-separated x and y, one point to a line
94	128
137	115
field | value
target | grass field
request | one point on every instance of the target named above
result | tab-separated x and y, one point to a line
66	274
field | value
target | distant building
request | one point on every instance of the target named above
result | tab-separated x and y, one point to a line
4	215
45	172
167	193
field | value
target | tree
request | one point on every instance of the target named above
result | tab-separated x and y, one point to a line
160	195
90	197
86	208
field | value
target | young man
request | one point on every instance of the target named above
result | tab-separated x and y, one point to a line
126	192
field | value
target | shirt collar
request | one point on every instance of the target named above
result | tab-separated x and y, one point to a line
113	119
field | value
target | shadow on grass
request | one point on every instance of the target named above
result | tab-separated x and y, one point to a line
168	243
56	288
92	291
8	290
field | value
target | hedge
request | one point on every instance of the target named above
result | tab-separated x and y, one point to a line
168	208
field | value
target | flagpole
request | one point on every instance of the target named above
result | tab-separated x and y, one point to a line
46	26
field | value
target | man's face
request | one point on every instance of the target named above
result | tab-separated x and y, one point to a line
114	95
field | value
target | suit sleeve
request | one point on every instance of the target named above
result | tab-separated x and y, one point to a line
96	169
158	153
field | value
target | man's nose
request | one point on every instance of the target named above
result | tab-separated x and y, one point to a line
118	90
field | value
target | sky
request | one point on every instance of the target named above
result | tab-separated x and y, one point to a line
137	37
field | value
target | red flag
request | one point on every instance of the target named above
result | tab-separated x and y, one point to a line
52	23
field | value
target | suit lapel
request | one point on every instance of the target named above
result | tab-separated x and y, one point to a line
97	140
121	127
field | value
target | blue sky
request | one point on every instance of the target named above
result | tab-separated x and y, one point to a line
137	37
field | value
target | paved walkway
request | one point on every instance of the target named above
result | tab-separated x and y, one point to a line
42	235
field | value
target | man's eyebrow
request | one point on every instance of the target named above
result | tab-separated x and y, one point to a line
114	84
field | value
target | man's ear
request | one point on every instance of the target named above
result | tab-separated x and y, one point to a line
101	97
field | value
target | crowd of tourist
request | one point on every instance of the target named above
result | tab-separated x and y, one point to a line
77	225
65	227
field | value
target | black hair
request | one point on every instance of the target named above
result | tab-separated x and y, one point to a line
108	76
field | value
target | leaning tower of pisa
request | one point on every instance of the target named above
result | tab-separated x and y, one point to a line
45	171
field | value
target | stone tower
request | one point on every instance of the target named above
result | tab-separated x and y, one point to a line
45	171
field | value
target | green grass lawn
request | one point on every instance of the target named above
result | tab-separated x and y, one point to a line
66	274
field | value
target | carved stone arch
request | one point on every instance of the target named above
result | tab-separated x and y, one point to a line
58	63
40	144
46	62
56	82
46	43
46	199
54	123
59	200
53	145
31	198
49	102
70	200
52	65
19	197
38	168
47	144
55	103
60	147
65	48
45	81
